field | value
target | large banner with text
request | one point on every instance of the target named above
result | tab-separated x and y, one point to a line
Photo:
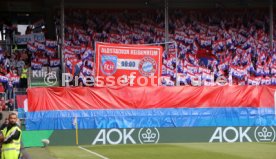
128	65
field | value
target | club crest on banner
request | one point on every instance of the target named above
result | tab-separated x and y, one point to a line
147	66
109	64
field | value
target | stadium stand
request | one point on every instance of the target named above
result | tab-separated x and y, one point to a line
208	41
208	46
229	43
233	44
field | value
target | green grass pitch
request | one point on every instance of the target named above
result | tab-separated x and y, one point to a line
159	151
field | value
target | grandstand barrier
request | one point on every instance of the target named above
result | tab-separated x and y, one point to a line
151	135
138	107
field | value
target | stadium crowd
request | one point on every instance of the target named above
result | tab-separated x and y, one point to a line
234	44
13	75
14	66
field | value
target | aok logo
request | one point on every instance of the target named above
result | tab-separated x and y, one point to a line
114	136
264	134
241	134
148	135
126	136
230	134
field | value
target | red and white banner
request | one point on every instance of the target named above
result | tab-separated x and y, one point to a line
128	65
87	98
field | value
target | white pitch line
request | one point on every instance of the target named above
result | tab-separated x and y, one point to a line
94	153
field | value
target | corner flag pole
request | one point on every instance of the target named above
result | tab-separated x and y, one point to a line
76	128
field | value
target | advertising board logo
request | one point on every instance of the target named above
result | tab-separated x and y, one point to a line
231	134
148	135
147	66
109	64
114	136
127	136
264	134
